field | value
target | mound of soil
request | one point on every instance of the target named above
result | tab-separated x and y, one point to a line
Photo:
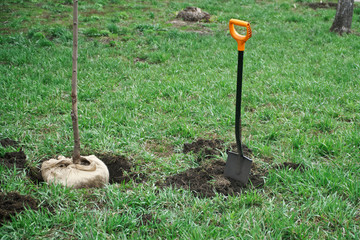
120	169
322	5
7	142
193	14
14	158
204	181
13	203
18	159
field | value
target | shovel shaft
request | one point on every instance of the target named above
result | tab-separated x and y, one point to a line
238	102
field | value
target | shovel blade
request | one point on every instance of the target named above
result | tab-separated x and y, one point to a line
238	167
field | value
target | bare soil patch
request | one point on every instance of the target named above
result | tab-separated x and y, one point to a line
14	158
208	179
7	142
12	203
121	170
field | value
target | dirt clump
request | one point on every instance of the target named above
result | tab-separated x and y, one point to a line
7	142
206	180
13	202
18	159
193	14
14	158
34	174
121	170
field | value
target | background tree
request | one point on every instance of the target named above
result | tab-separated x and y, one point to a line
343	17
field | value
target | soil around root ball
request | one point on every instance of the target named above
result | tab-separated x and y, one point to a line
12	203
120	169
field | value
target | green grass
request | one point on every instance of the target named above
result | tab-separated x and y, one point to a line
301	104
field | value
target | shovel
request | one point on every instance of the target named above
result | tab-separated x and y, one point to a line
237	165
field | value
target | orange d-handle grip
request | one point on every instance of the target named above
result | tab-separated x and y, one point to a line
240	38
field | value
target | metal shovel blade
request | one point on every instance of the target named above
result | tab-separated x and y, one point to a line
238	167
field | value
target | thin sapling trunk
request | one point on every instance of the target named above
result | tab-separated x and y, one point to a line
74	112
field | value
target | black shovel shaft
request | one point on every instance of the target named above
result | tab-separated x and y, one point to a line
238	102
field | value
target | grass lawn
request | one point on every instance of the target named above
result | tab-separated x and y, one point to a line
150	83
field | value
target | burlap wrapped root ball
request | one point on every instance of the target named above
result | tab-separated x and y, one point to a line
91	172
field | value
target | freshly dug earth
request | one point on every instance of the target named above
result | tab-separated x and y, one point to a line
12	203
7	142
14	158
206	180
120	169
18	159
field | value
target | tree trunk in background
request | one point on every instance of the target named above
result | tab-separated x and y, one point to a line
74	113
343	17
